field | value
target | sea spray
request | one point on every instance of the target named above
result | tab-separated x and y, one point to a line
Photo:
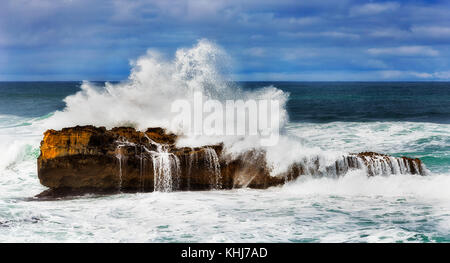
351	208
144	100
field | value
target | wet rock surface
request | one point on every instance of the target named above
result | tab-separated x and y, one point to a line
88	159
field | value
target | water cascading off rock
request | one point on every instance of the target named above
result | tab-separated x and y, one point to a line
88	159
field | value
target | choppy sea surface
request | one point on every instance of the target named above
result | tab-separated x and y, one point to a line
397	118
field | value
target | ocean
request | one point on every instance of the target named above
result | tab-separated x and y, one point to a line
396	118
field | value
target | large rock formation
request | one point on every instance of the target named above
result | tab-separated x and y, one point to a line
85	159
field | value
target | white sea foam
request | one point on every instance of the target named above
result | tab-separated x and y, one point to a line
18	140
145	99
154	83
351	208
356	183
387	137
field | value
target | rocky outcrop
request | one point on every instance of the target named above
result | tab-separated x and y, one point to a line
373	163
85	159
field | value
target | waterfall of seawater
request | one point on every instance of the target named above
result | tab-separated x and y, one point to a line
122	158
373	165
214	167
192	160
387	165
119	157
166	167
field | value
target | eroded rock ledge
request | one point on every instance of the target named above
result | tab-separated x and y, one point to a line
88	159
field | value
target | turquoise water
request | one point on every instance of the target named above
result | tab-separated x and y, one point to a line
407	118
396	118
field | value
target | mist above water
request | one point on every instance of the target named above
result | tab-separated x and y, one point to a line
354	207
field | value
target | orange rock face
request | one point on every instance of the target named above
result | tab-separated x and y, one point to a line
86	159
69	141
91	159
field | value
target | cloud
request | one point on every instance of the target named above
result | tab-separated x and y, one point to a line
404	51
256	51
305	20
391	75
432	31
326	34
346	39
397	74
294	54
374	8
374	63
395	33
445	75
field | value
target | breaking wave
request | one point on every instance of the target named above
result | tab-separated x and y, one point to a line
355	207
145	99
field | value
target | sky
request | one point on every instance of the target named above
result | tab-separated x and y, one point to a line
291	40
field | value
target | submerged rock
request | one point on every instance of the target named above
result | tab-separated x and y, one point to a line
88	159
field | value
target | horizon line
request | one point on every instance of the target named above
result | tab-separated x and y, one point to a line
2	81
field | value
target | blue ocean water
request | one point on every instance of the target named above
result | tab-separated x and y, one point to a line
365	101
320	103
308	101
398	118
390	104
34	99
